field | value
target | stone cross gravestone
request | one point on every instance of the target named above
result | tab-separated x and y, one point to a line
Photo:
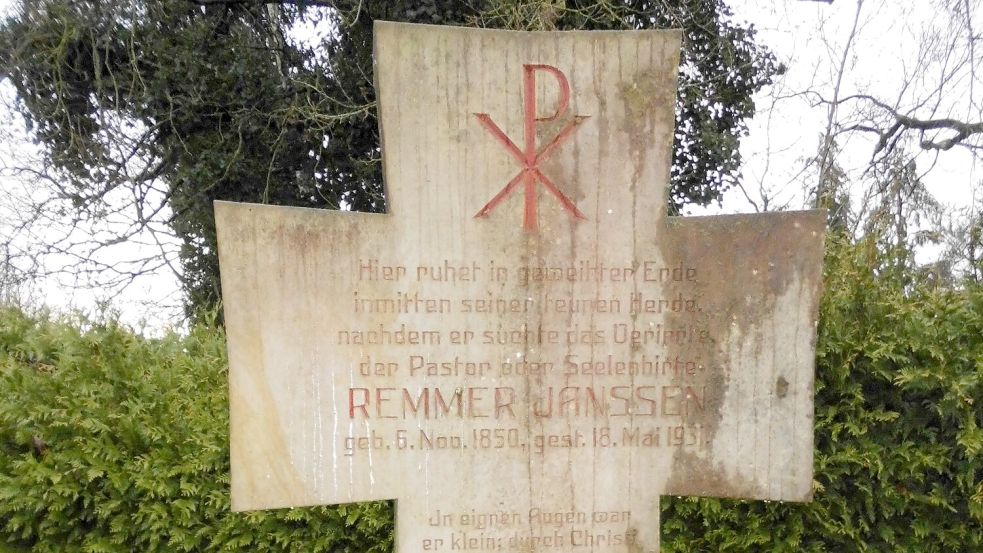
525	352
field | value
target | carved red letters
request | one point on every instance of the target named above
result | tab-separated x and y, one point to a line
528	157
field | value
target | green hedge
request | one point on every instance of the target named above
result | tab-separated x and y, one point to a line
111	442
135	450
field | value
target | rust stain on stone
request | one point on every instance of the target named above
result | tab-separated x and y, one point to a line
703	477
744	266
781	387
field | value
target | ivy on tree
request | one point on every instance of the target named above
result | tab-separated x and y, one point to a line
179	103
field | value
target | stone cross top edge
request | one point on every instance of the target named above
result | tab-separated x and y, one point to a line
525	352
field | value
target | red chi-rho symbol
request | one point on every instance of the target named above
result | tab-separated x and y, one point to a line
528	157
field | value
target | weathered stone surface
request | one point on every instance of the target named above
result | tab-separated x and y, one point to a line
523	380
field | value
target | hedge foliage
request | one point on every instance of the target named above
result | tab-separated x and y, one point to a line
114	443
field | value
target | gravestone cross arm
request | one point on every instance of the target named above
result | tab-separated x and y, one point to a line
526	352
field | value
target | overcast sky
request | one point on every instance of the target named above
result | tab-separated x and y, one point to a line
809	37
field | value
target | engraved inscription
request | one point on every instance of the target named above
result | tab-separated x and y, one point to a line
454	362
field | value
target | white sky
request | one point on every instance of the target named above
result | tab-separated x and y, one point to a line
807	36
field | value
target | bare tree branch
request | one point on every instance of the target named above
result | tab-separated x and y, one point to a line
960	130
